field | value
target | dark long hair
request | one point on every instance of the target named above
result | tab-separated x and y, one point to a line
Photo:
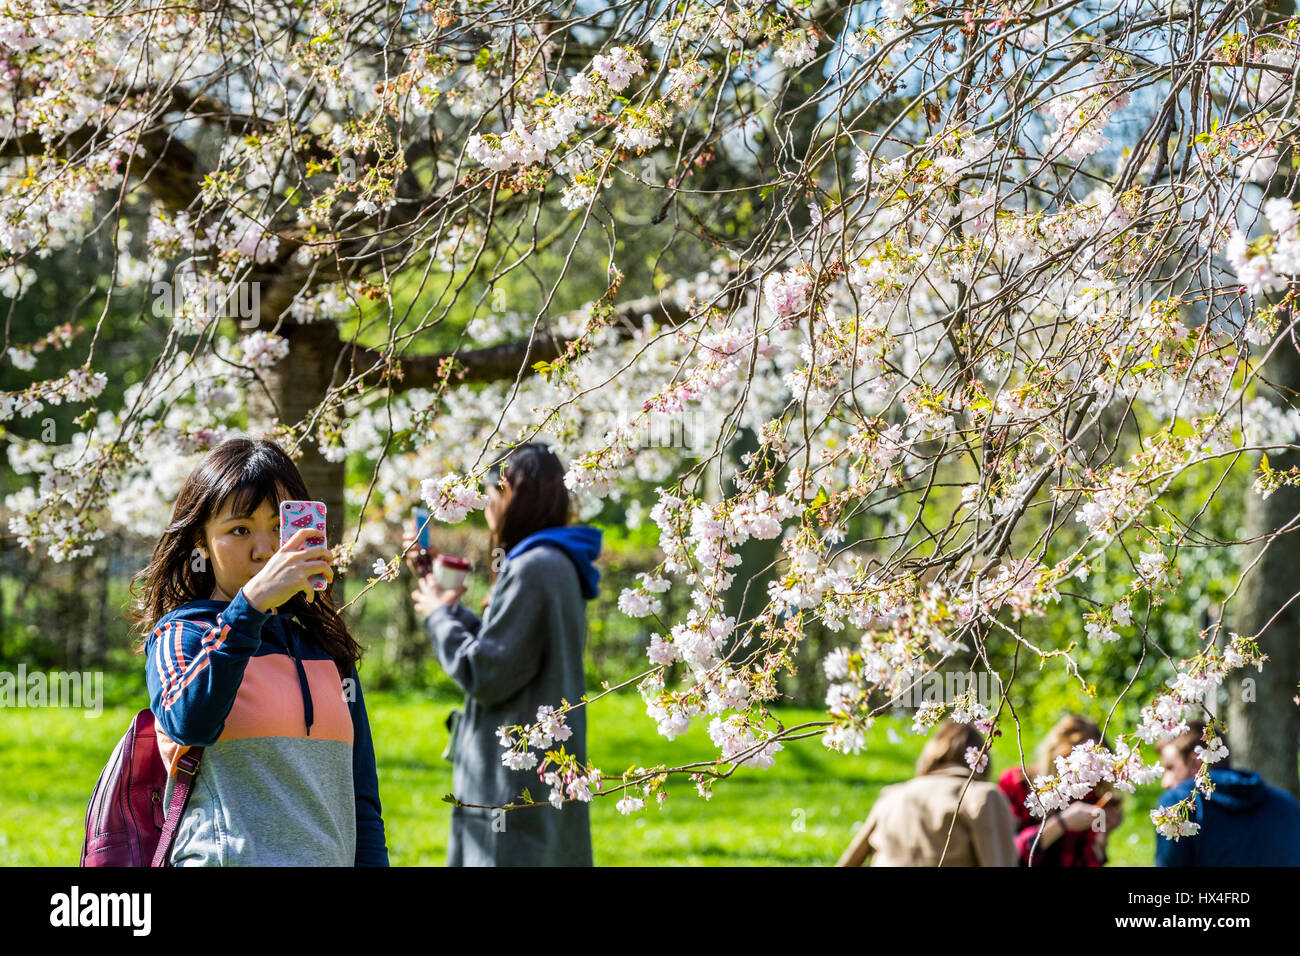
252	472
538	496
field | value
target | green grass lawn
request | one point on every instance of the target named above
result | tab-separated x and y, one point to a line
801	811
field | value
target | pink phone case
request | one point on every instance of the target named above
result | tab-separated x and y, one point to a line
296	515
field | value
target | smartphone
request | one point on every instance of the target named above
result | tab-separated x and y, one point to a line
423	559
296	515
421	516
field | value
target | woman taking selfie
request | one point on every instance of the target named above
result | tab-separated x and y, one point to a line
526	652
250	663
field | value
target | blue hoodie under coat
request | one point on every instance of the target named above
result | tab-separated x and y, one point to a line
1245	822
580	542
525	653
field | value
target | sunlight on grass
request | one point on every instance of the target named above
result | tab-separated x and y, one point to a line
802	811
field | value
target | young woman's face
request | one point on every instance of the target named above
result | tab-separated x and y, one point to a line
239	545
496	507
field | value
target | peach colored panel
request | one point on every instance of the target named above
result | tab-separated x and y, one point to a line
269	702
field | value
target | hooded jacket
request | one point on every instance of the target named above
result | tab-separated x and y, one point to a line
526	652
288	772
1245	822
580	542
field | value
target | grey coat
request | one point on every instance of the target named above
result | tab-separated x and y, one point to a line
526	652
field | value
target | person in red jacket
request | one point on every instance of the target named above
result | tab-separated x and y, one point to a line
1075	835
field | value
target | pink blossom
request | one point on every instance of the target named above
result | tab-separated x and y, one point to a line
619	66
452	497
787	293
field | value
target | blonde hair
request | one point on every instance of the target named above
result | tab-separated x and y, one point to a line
947	748
1068	733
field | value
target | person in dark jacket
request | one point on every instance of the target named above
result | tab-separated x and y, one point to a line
525	653
1244	822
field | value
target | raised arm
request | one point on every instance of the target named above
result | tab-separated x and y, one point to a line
495	660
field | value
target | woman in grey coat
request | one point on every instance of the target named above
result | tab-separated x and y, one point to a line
526	652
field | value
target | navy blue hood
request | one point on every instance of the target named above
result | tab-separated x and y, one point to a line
1245	822
1236	790
581	542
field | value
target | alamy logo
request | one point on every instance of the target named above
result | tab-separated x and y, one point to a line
195	298
946	687
102	909
56	689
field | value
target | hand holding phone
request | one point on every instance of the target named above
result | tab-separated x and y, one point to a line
419	551
296	516
290	571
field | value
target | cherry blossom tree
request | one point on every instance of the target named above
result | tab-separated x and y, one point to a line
971	295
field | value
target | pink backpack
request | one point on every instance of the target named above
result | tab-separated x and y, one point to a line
125	821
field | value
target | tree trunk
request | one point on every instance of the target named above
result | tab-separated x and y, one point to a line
1263	720
756	554
287	393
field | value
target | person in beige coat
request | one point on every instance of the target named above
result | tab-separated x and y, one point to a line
946	815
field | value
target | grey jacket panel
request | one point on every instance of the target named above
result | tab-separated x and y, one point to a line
526	652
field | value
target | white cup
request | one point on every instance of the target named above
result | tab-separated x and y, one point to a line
450	571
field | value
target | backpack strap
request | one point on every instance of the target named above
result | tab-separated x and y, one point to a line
186	767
